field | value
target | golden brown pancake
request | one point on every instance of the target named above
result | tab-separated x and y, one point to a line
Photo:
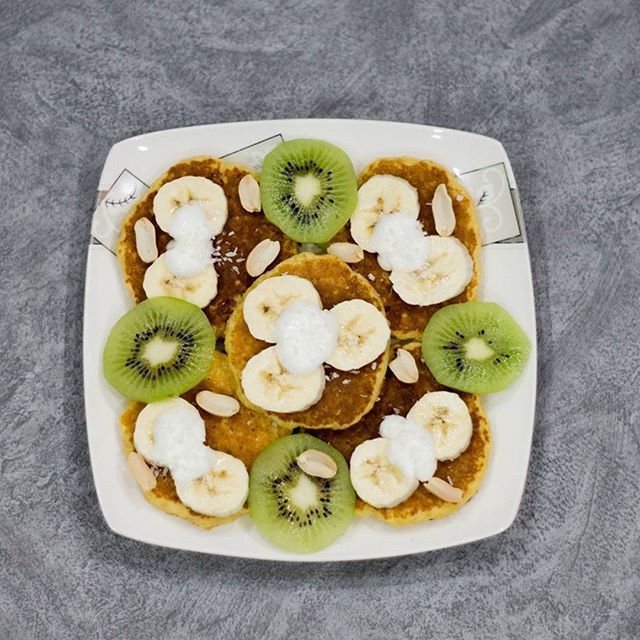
408	321
348	395
465	472
243	435
240	235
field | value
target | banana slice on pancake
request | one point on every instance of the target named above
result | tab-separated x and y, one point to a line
363	334
267	384
379	195
200	289
447	417
377	481
445	274
221	491
263	305
208	195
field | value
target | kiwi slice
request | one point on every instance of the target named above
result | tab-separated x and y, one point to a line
161	348
475	347
308	189
293	510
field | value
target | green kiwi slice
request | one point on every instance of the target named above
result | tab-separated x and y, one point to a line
161	348
308	189
475	347
293	510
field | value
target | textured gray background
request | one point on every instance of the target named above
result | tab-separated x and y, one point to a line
556	82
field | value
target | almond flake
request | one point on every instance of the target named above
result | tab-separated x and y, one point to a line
249	192
443	490
404	367
346	251
217	404
261	256
141	472
442	209
317	464
146	240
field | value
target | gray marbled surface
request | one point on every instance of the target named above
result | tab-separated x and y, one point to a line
556	82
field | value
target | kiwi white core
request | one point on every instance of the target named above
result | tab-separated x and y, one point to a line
477	349
305	493
157	351
306	189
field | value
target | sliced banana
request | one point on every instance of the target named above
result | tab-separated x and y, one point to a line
191	189
267	384
221	491
377	196
143	440
363	334
447	417
200	289
375	479
446	273
263	305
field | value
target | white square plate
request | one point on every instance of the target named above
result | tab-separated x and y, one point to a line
481	163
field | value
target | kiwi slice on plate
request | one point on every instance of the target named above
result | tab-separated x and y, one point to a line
475	347
161	348
294	510
308	189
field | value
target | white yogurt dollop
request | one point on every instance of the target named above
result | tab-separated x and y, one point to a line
191	224
410	447
400	242
178	435
188	259
305	337
189	252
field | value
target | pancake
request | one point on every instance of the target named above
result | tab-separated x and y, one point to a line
243	435
348	395
408	321
240	235
465	472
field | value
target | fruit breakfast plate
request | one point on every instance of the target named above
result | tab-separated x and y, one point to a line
298	333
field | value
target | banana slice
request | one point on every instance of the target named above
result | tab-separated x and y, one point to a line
143	439
448	419
221	491
375	479
264	304
363	334
445	274
208	195
267	384
377	196
200	289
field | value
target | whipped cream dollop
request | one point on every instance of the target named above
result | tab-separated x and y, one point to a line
410	447
400	242
178	436
306	336
190	251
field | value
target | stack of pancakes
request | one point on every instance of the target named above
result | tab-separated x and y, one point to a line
353	403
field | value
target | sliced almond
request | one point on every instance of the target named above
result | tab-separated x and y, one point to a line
404	367
346	251
249	192
217	404
442	209
261	256
317	463
146	240
141	472
443	490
